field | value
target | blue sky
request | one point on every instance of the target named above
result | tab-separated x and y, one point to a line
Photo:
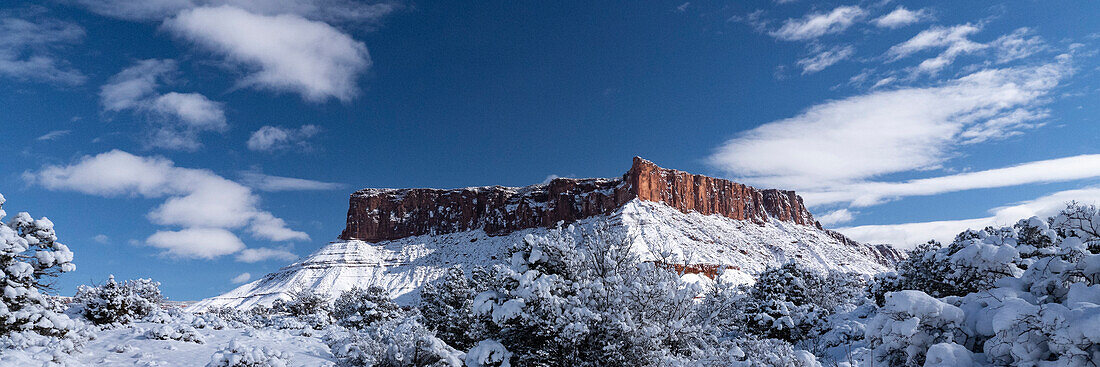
194	141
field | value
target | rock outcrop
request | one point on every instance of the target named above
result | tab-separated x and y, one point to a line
389	214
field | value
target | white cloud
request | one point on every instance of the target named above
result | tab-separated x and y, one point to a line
1017	45
176	118
954	40
196	199
818	24
340	11
853	139
909	234
262	254
272	138
836	217
26	49
871	193
283	52
901	17
244	277
54	134
136	10
102	239
199	243
825	58
264	182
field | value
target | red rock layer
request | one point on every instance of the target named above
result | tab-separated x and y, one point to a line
387	214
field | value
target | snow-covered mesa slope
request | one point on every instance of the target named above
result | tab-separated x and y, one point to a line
743	247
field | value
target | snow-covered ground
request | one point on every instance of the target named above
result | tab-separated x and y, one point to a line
130	346
402	266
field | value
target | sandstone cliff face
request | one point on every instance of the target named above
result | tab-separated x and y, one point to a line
388	214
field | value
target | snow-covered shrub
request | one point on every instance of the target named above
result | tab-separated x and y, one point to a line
488	353
446	308
239	355
394	343
357	308
973	262
29	256
750	352
302	302
564	301
908	324
178	332
118	303
780	304
304	307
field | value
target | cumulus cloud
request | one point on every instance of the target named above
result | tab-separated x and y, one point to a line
101	239
825	58
263	254
244	277
264	182
206	205
853	139
272	138
176	119
908	235
281	52
27	49
815	25
200	243
954	41
901	17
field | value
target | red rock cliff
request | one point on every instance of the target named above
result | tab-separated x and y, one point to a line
387	214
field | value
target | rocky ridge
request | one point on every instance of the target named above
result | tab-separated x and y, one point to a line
390	214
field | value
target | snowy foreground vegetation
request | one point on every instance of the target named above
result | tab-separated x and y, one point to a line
1026	295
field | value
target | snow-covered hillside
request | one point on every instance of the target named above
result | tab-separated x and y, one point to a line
402	266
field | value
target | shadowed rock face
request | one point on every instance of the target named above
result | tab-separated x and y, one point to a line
388	214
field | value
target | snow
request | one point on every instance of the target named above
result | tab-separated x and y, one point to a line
129	346
401	266
488	353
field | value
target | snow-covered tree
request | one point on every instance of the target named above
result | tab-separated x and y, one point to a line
29	257
907	325
973	262
118	303
399	342
446	308
582	298
302	302
357	308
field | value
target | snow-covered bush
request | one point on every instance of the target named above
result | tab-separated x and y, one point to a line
780	304
488	353
740	352
446	308
908	324
564	301
29	256
178	332
1048	314
239	355
394	343
118	303
357	308
302	302
972	262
